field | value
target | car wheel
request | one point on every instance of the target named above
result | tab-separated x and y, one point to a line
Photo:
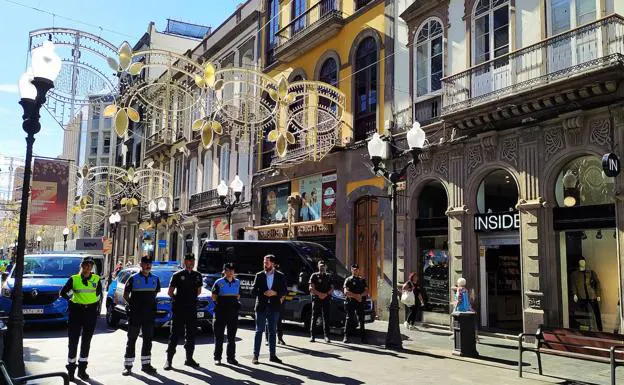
112	318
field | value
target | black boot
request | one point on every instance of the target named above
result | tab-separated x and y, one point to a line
71	370
82	371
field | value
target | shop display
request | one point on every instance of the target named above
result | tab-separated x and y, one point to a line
436	280
585	288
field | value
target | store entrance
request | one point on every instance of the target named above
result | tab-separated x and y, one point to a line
501	288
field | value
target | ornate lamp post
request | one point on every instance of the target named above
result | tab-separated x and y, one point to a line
65	234
161	209
378	151
33	86
113	221
226	201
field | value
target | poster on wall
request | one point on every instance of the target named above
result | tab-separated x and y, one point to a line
49	192
310	191
329	196
436	280
275	204
222	228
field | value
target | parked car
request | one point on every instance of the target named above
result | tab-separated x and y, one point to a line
116	305
44	276
298	260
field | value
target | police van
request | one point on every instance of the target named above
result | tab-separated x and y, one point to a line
297	260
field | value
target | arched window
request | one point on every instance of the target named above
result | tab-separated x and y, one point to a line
429	57
207	170
498	192
329	72
365	89
224	163
491	30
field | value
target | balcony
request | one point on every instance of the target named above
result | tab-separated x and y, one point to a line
557	64
160	140
320	22
428	110
365	126
208	200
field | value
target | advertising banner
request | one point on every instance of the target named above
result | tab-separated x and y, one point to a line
329	196
222	228
275	204
310	191
49	192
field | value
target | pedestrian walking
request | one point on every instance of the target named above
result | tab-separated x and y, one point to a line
184	289
84	308
320	288
356	290
226	293
269	288
414	312
140	295
280	317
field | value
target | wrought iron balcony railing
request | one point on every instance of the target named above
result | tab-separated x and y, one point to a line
208	200
364	127
428	111
587	48
161	137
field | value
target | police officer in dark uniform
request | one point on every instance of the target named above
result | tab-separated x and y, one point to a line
84	308
356	290
225	293
184	289
140	295
320	288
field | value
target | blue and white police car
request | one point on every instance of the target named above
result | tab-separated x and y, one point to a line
116	305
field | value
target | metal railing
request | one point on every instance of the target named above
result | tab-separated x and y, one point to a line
209	200
429	110
158	138
319	12
364	127
583	49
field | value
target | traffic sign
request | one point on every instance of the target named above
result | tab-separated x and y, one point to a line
162	243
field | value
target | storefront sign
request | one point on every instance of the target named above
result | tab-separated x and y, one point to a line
507	221
89	244
315	229
611	165
329	196
275	204
310	191
273	234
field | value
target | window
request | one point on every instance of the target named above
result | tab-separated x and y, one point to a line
192	186
329	72
568	14
298	21
429	57
177	184
365	89
243	164
361	3
491	30
107	143
224	163
207	170
273	21
94	145
578	48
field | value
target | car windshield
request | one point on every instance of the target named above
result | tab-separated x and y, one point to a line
57	266
314	252
164	276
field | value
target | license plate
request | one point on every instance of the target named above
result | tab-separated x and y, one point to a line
200	314
368	317
33	311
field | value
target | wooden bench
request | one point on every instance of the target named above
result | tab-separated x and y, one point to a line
6	379
583	345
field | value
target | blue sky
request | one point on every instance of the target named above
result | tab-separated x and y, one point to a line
17	21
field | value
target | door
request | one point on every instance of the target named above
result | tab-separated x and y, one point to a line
367	240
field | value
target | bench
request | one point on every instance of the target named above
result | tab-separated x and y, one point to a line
6	379
584	345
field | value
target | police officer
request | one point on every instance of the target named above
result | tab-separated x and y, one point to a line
226	293
84	308
140	295
356	290
320	288
184	289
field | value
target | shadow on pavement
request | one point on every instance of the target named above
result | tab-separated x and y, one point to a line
266	376
30	355
155	379
214	378
380	351
91	381
323	377
314	353
510	347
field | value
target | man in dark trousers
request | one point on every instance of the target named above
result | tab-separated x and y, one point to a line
185	287
269	288
140	295
226	293
356	290
320	288
280	319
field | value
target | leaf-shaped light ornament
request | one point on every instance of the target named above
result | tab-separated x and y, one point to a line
121	122
75	210
282	88
85	171
207	135
133	114
273	135
129	177
135	68
125	56
290	138
112	63
218	85
280	146
198	124
199	81
217	128
74	228
110	111
282	140
209	74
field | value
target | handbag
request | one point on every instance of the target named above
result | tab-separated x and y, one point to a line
408	298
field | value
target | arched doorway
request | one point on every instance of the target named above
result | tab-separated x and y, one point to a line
367	238
431	259
584	220
497	226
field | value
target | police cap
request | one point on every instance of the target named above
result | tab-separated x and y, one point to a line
146	259
355	266
86	260
189	257
228	266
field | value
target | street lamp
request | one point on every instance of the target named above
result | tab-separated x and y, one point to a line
113	221
39	243
33	86
65	234
161	209
378	151
226	201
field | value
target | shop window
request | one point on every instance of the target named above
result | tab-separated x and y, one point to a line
497	193
585	220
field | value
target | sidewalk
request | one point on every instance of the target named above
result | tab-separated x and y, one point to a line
502	352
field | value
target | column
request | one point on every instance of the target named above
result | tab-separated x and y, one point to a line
457	215
617	112
196	240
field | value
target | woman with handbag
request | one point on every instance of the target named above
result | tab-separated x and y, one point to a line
413	300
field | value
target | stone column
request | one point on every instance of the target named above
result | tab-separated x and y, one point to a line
530	206
457	215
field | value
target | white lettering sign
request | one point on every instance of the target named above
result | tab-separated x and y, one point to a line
497	222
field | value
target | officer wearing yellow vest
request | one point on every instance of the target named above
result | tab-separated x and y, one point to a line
84	308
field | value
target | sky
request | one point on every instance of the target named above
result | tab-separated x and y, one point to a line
17	19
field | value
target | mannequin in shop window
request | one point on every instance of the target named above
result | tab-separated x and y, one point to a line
586	290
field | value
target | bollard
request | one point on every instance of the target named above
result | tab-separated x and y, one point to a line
465	342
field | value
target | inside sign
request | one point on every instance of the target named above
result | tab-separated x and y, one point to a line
611	165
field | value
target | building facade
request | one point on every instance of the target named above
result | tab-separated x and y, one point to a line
520	100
